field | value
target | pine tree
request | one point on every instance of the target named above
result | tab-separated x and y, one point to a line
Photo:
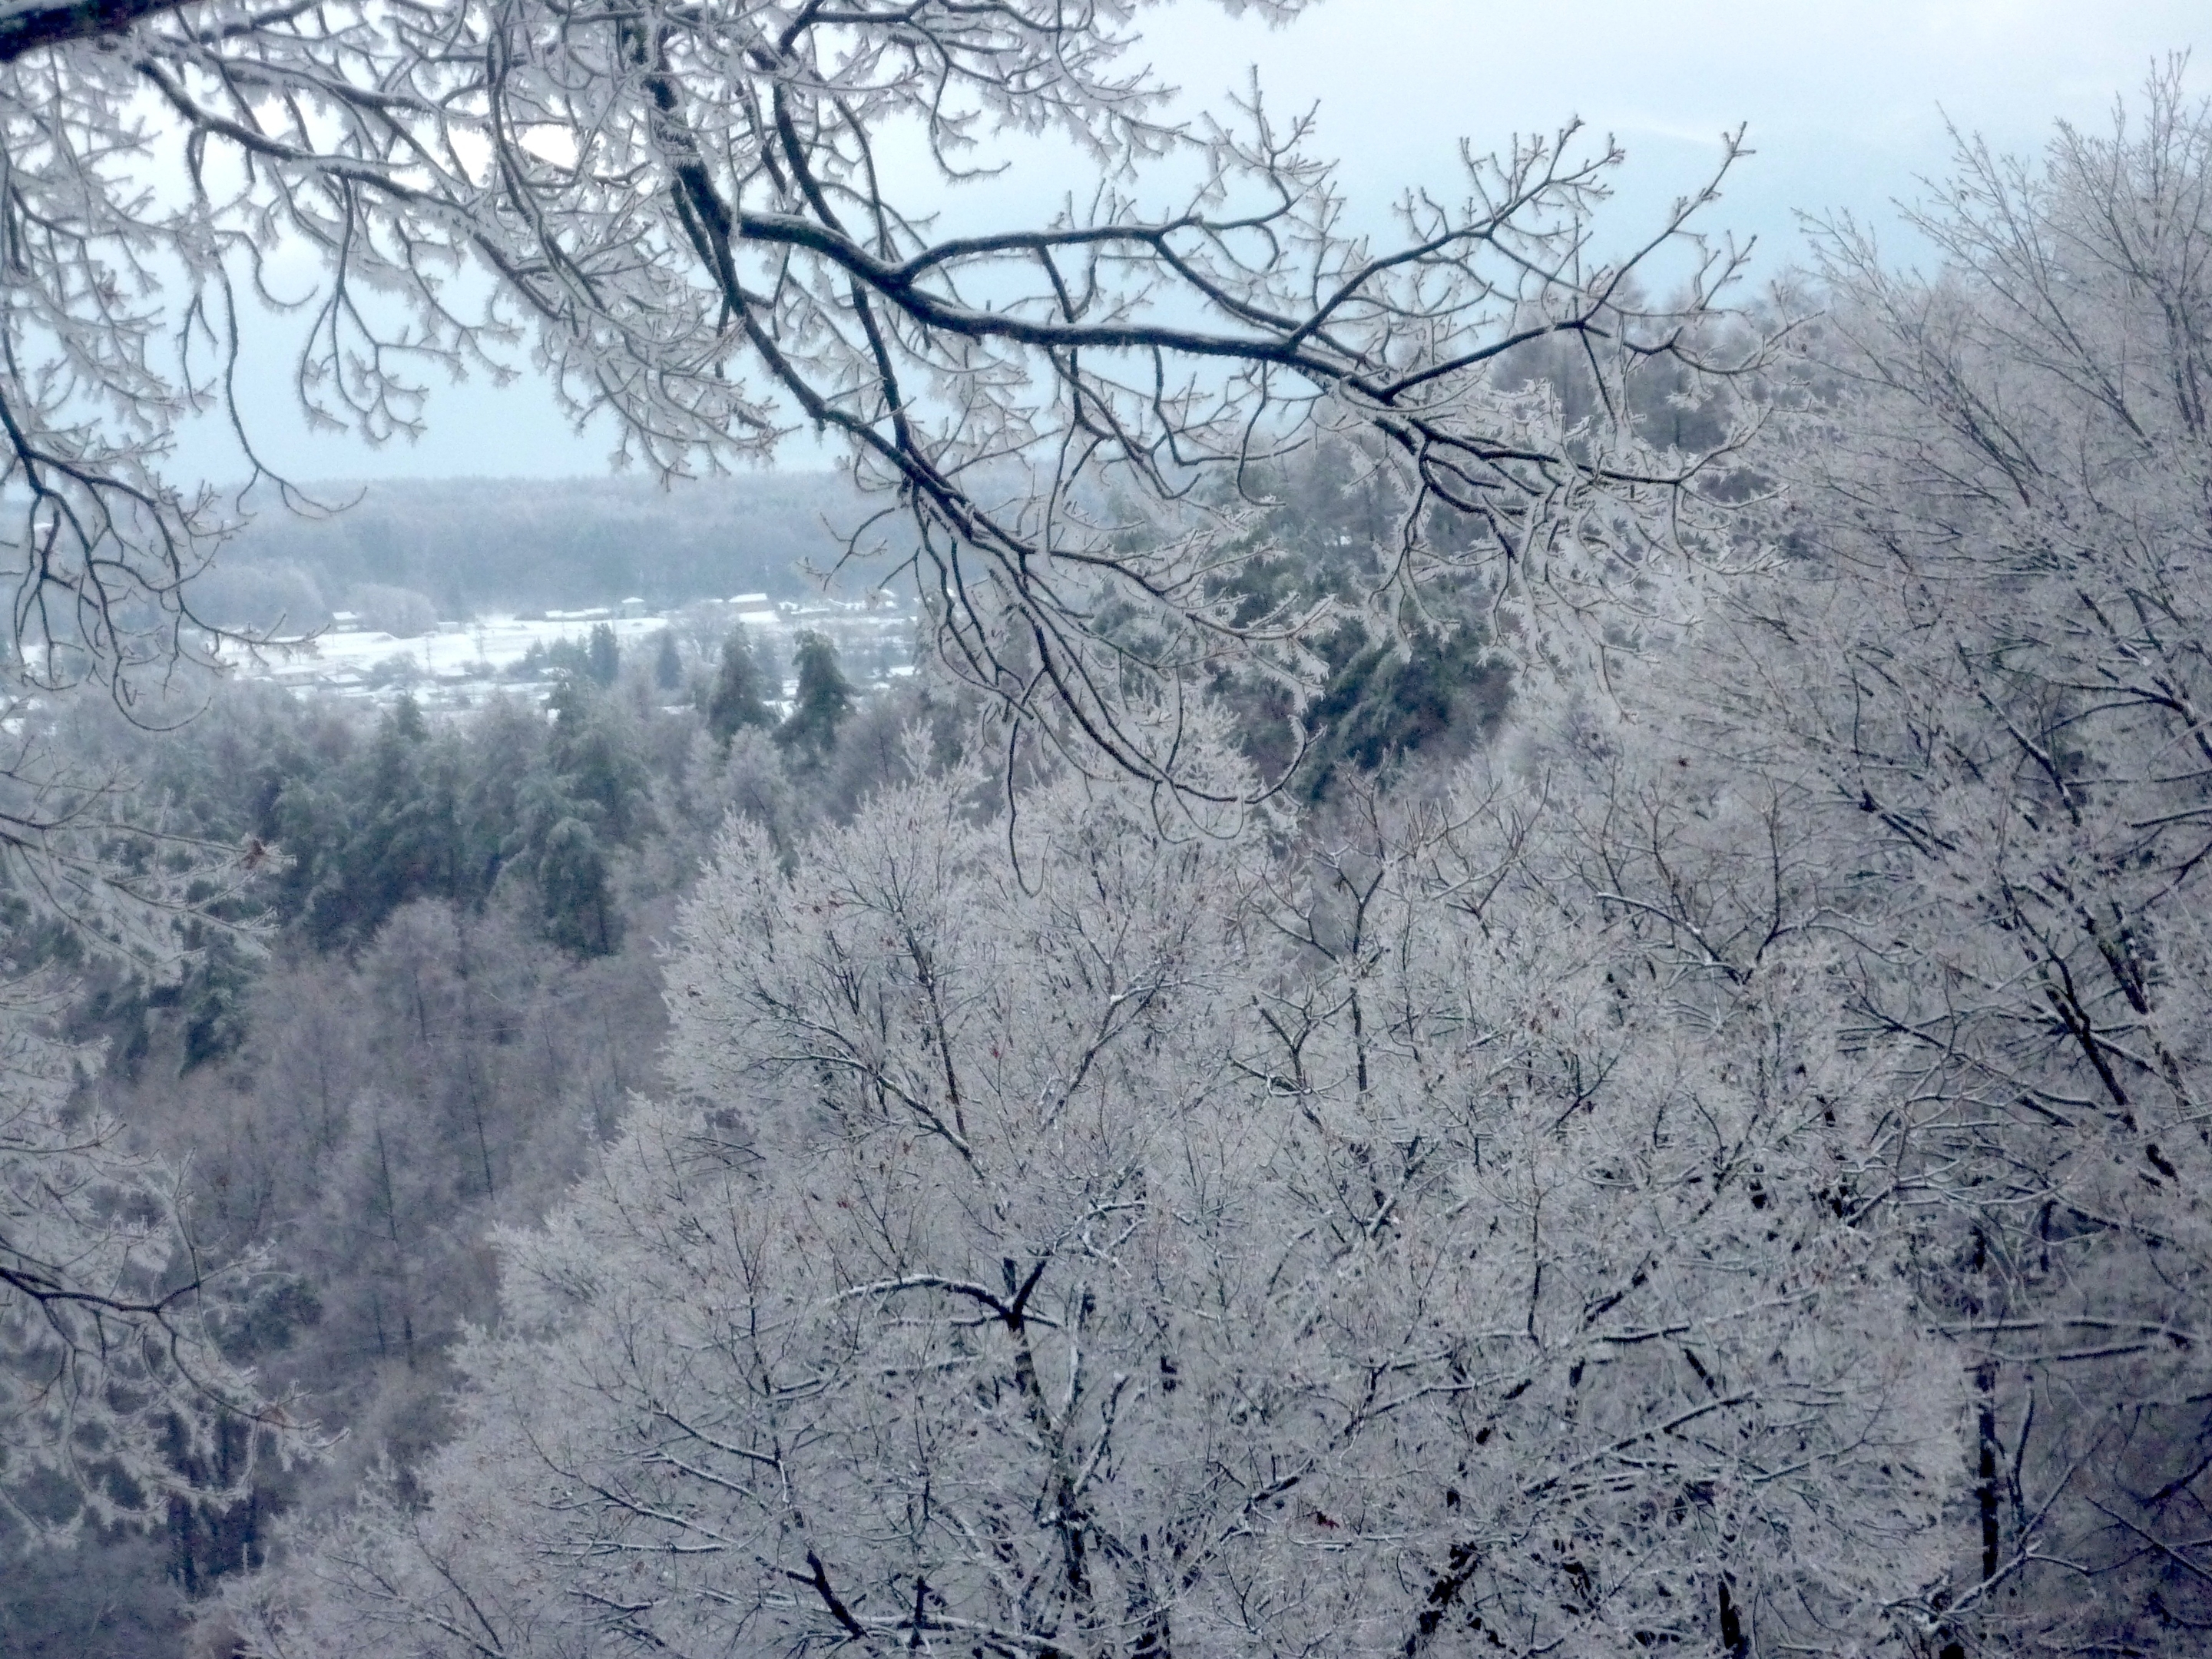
602	656
594	762
578	906
736	700
823	701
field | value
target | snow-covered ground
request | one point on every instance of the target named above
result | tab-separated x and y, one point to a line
462	665
496	643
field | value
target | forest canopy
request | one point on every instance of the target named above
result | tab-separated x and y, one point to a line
1530	975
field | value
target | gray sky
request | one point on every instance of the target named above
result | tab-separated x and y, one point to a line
1846	106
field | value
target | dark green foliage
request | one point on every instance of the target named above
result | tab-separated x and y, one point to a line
667	661
364	824
506	745
602	656
596	761
562	658
1326	519
576	905
405	721
820	705
1383	701
591	794
736	702
214	998
387	828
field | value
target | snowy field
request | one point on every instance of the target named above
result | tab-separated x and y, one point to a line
496	643
460	666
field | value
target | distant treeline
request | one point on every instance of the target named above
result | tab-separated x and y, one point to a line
475	545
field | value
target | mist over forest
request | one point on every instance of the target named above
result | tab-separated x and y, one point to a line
1450	950
475	546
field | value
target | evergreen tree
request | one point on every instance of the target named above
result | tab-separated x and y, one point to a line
506	745
404	724
737	700
823	701
380	832
667	662
1385	700
595	763
572	880
602	656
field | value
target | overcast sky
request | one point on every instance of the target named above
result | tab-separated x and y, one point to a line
1846	106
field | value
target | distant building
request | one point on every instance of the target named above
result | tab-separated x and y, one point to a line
345	621
749	601
631	608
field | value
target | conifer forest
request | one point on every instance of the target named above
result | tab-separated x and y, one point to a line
1457	930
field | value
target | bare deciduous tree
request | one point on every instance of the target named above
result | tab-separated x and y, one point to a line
690	216
1989	658
1182	1253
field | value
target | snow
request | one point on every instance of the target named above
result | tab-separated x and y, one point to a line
460	653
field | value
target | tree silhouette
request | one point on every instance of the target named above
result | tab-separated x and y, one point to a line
736	702
821	704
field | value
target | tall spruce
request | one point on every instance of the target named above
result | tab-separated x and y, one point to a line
736	702
601	654
823	701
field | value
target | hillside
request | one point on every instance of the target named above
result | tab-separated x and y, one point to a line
473	546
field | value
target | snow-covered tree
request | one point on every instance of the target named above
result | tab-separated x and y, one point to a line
687	218
1151	1244
1988	653
114	1390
